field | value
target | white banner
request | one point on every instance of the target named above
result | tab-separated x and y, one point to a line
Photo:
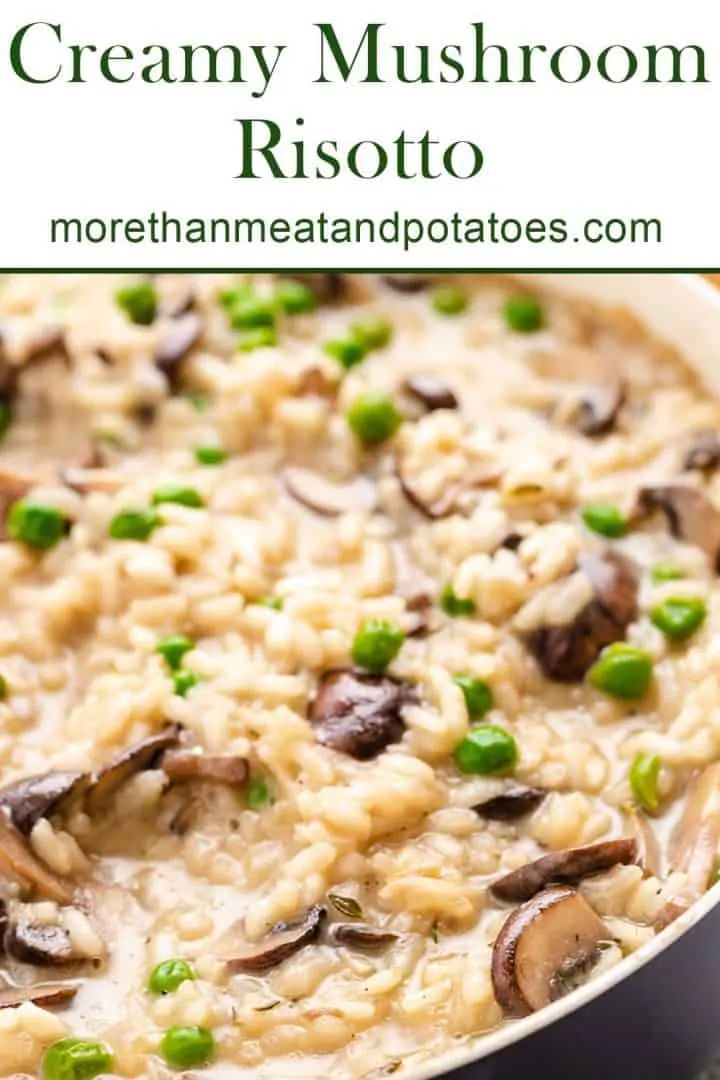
501	134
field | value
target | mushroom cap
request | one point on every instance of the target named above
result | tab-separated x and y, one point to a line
359	714
546	938
37	797
142	755
510	805
703	452
361	936
431	391
283	940
568	866
44	996
327	497
690	514
566	653
182	766
19	864
182	335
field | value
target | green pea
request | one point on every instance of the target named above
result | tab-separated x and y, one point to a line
3	688
173	648
5	417
449	301
139	302
36	525
456	605
295	298
168	975
523	314
666	572
199	402
264	337
376	645
177	493
230	298
623	671
210	455
605	520
76	1059
275	602
478	695
679	618
644	773
373	418
187	1046
485	750
252	313
183	681
348	351
373	333
259	794
134	524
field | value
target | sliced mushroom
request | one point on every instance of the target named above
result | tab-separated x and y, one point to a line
44	996
143	755
598	407
540	944
84	480
39	797
326	497
563	867
416	588
431	391
359	714
694	843
181	766
566	653
690	514
408	283
19	864
515	803
181	336
478	474
282	941
703	453
40	945
361	936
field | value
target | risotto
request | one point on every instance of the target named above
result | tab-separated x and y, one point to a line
358	666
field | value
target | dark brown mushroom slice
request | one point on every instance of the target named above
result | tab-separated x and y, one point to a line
361	936
511	541
408	283
358	714
184	766
329	498
598	407
431	391
690	514
515	803
478	474
46	996
551	936
282	941
181	336
703	453
566	653
39	797
563	867
40	945
19	864
146	754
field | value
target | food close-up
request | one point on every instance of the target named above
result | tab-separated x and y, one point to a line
359	666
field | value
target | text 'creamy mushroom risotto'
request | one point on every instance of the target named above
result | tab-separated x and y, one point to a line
359	666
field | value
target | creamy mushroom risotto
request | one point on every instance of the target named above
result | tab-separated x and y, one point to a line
359	666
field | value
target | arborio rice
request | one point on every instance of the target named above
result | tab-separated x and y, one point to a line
312	596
